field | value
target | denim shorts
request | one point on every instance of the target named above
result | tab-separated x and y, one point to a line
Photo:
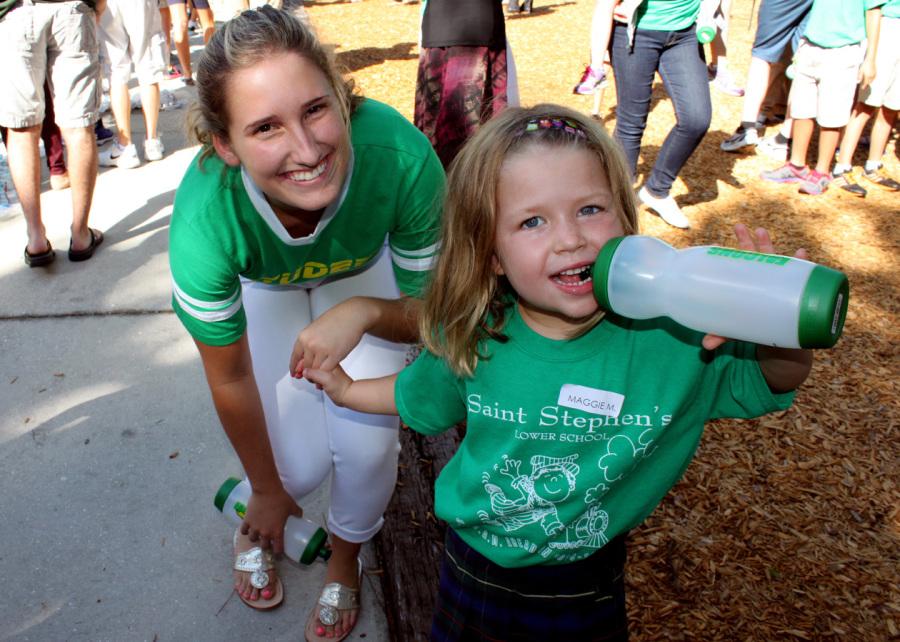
31	36
780	22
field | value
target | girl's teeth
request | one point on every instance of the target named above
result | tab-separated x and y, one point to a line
308	176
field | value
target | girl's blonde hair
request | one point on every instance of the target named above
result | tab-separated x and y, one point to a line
244	41
466	301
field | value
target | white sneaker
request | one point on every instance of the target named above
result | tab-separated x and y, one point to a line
667	208
153	149
117	156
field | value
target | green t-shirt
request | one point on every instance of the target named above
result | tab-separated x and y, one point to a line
838	23
667	15
571	443
223	228
891	9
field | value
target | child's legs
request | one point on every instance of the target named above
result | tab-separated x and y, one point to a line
365	447
837	75
881	132
884	91
634	70
683	71
804	99
294	409
858	119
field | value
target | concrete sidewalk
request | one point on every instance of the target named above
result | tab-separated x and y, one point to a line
109	445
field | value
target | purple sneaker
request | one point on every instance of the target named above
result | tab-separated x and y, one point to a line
787	173
590	82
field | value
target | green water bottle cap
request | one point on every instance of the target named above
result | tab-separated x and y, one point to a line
600	273
706	34
316	548
224	491
823	308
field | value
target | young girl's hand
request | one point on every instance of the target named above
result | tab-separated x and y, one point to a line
325	342
758	241
334	382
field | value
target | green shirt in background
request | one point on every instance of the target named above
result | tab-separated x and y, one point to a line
891	9
223	228
838	23
667	15
571	443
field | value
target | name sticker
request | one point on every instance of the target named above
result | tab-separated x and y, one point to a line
597	402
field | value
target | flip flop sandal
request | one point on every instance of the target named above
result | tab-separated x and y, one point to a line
88	252
258	562
335	597
40	259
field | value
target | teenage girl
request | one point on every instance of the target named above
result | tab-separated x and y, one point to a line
578	422
308	210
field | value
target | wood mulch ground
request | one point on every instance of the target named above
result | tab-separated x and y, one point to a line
785	527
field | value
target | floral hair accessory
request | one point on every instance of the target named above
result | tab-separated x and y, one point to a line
551	122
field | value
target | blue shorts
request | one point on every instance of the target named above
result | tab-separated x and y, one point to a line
780	22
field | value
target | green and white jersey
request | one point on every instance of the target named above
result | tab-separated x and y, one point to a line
571	443
223	228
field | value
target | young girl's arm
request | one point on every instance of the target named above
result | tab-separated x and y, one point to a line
374	396
783	368
326	341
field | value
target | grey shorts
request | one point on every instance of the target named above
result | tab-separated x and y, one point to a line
53	41
132	31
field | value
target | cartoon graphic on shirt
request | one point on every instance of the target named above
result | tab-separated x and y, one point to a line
552	480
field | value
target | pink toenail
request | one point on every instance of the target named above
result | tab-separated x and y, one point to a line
320	630
267	593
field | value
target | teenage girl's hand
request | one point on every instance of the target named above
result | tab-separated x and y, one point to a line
325	342
758	241
266	514
334	382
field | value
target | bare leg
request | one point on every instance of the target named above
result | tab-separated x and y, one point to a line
803	131
165	17
82	148
755	91
207	22
180	34
120	101
828	140
150	105
25	170
881	132
858	119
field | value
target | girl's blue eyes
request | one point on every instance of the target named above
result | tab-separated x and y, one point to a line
588	210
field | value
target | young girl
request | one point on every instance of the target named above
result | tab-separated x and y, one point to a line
578	423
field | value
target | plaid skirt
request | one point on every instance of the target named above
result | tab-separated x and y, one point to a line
479	600
458	89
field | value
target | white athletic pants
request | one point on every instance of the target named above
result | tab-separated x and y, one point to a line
310	436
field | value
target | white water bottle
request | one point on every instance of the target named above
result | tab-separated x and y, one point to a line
706	21
762	298
304	541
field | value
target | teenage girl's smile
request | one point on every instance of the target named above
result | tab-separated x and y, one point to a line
285	129
555	210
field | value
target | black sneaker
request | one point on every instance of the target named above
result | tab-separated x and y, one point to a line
847	182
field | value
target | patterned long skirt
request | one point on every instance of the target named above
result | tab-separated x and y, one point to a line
458	89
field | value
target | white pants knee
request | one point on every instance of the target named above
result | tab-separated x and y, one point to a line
309	435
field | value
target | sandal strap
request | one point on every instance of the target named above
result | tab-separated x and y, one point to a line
338	596
255	561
